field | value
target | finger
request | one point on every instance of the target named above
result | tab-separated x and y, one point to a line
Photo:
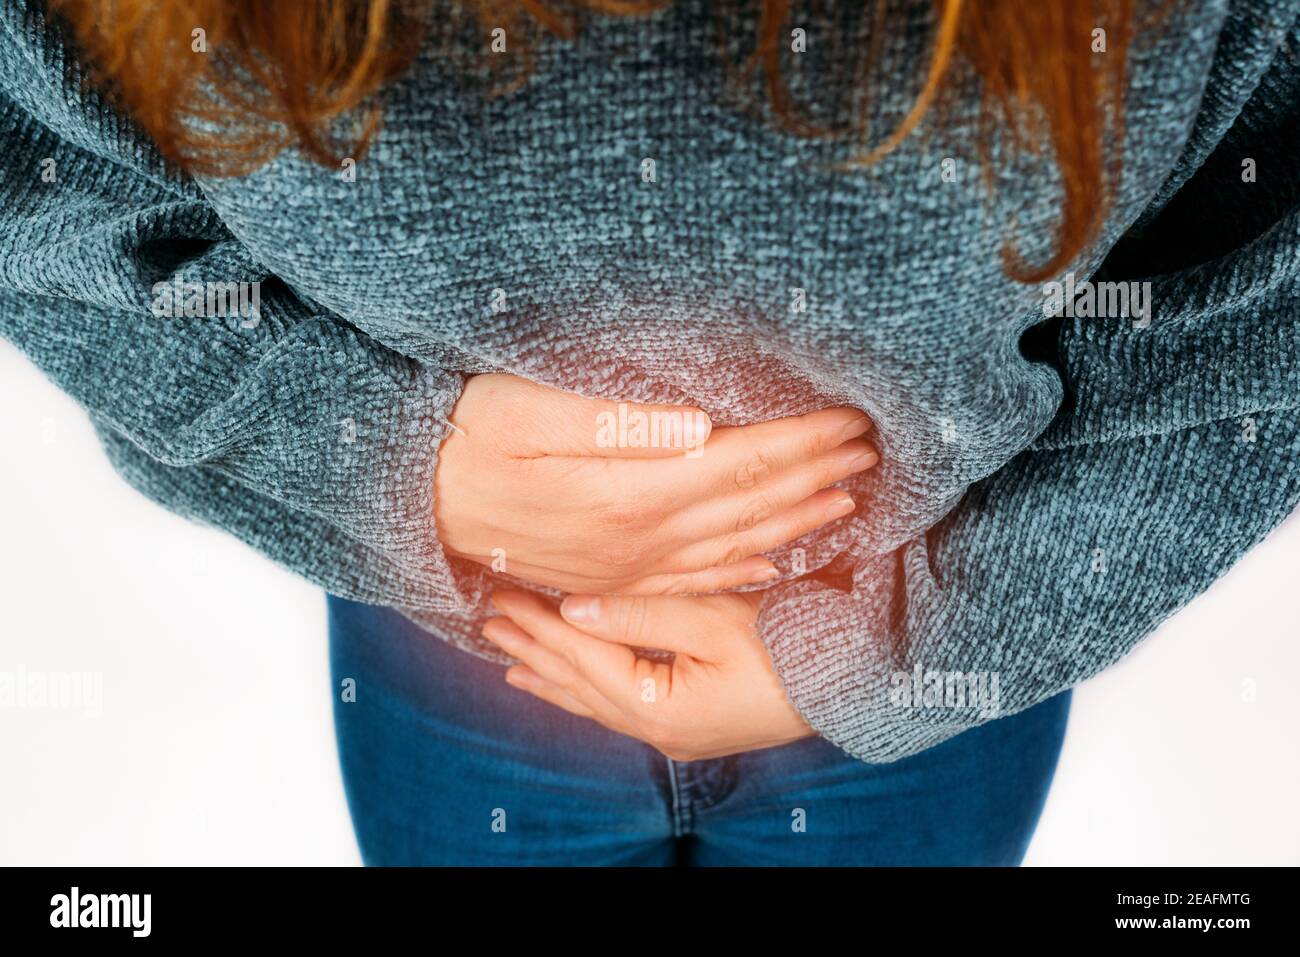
551	576
517	643
670	623
550	667
743	510
525	679
821	508
752	571
740	458
566	424
609	668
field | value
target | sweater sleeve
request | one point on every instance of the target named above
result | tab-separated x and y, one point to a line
265	415
1176	450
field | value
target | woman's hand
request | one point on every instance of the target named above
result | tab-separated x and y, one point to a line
540	479
720	696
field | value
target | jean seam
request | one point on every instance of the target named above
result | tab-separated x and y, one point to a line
677	809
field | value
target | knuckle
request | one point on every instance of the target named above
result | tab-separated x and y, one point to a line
683	585
570	681
626	532
754	512
622	516
630	617
759	466
565	683
828	473
736	550
813	444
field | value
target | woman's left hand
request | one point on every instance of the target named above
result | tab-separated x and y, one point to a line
720	696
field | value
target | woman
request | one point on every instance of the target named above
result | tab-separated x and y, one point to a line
744	225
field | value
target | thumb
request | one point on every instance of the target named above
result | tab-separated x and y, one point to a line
577	425
669	623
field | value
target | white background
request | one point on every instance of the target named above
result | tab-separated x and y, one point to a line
215	743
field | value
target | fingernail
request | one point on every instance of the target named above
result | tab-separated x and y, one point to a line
855	428
841	508
494	632
581	609
865	460
758	569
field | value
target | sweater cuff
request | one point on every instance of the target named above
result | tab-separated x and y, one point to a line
831	650
351	433
395	492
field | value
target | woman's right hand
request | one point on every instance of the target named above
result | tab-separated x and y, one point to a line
530	476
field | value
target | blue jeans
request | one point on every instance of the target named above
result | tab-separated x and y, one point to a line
444	763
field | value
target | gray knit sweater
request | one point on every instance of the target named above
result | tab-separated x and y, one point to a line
1050	489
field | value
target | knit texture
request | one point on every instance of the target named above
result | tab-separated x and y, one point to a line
1049	490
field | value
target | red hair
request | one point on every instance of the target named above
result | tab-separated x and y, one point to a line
309	78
